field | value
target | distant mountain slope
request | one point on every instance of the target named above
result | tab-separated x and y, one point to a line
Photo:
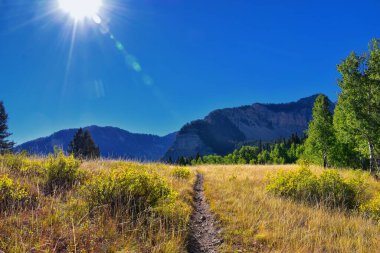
222	130
113	142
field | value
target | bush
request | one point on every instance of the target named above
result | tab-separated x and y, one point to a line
12	195
20	163
328	189
336	192
62	172
301	185
371	209
128	189
181	173
13	162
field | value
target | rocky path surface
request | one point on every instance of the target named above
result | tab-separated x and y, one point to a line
204	235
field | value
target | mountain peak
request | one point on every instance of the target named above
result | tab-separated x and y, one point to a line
309	100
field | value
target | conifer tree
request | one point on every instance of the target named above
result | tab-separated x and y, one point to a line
320	141
5	145
83	146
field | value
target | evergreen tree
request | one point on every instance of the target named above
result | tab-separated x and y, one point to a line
182	161
320	141
358	118
5	145
260	146
83	146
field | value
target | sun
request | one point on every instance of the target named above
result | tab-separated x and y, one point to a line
80	9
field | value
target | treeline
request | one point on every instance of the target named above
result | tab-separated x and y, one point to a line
279	152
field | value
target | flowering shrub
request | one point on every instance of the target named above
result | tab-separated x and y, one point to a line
182	173
12	195
372	208
328	189
62	172
129	189
21	164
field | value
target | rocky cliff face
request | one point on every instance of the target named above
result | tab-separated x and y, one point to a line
223	130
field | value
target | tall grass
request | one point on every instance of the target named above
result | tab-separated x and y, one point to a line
66	219
254	220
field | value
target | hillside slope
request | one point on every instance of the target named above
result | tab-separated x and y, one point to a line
113	142
223	130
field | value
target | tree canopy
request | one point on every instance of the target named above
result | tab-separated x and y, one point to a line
357	119
83	146
5	144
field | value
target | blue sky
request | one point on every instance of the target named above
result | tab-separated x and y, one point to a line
152	66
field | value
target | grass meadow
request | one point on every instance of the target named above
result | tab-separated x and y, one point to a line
60	204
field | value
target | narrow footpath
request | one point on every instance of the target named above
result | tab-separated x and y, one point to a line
204	236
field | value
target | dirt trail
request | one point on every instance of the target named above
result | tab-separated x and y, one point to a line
204	235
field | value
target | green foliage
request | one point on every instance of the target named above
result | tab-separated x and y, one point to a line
321	138
372	208
345	155
6	146
183	161
357	119
62	172
83	146
328	189
263	157
278	153
209	159
246	154
12	195
182	173
129	189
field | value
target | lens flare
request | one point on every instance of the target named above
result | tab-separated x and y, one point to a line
80	9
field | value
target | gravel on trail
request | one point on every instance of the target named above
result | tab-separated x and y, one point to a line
204	235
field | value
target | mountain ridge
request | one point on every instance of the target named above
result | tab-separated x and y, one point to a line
114	142
221	130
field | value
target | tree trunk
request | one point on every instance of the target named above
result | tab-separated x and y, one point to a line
372	162
325	163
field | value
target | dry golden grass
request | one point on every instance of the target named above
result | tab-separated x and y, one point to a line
252	220
62	222
255	221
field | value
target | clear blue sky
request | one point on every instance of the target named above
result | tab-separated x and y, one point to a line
189	57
